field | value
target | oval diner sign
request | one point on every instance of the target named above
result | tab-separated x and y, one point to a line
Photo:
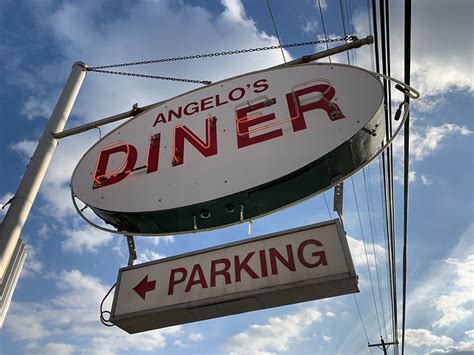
233	150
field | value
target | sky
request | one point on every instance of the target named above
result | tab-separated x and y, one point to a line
71	266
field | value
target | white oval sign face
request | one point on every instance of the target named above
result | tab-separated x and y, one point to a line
225	140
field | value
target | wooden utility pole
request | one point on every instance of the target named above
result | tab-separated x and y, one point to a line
383	345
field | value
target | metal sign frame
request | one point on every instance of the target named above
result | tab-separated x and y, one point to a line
257	201
240	302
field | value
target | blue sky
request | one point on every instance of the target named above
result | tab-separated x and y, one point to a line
70	266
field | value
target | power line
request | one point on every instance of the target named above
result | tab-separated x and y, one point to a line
362	321
390	240
366	256
384	227
387	159
374	251
406	156
324	27
351	28
276	30
327	205
376	36
344	27
382	233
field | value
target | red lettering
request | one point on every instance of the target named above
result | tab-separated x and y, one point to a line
206	103
159	118
239	266
319	254
153	153
274	254
260	86
240	94
201	280
297	109
174	282
224	272
171	113
218	101
207	148
102	177
194	108
263	263
243	123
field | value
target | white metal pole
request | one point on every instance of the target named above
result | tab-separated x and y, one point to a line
17	214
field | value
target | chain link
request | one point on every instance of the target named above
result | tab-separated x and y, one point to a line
100	69
204	82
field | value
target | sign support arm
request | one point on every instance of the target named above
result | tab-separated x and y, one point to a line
331	51
88	126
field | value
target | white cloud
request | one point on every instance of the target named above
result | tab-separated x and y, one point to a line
32	265
424	142
196	337
179	344
323	3
276	335
425	180
443	298
398	177
359	256
470	333
310	26
44	230
51	348
84	239
25	148
192	337
330	314
148	255
327	339
235	12
69	312
167	240
115	341
454	304
36	107
463	348
424	338
428	141
427	58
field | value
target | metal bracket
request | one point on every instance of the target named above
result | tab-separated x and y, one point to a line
338	197
132	252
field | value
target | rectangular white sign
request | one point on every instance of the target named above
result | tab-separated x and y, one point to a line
293	266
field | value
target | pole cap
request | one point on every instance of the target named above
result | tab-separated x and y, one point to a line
80	64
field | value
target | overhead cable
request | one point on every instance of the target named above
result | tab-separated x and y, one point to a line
344	27
324	27
276	30
406	156
362	321
372	225
366	256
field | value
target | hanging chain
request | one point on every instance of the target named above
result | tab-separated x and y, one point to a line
100	69
204	82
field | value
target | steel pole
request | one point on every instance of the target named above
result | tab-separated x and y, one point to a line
15	218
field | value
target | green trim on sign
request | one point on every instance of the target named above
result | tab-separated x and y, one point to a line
261	200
